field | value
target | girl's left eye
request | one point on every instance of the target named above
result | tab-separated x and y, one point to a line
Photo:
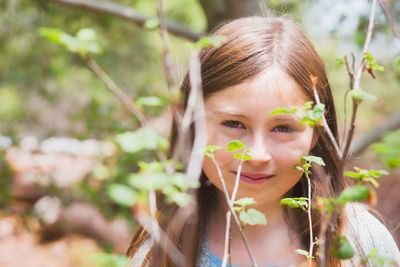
233	124
283	129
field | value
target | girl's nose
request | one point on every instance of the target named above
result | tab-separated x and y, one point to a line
259	152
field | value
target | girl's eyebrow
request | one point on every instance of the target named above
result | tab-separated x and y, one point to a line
229	113
286	117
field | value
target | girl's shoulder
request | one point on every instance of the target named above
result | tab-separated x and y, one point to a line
368	236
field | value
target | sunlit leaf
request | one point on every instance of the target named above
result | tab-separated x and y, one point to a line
355	193
141	139
341	248
283	111
235	145
252	217
243	157
315	159
245	201
121	194
151	24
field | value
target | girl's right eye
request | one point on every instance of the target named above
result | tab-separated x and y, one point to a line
233	124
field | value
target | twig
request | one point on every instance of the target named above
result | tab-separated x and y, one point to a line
127	13
165	40
109	83
234	214
392	123
392	21
353	86
310	252
326	126
151	226
125	100
227	239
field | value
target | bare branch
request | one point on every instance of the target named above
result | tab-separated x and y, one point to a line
128	14
394	26
376	134
167	64
109	83
151	226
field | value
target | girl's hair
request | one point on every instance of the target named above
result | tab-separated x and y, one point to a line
252	45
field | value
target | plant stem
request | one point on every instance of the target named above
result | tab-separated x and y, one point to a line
237	221
309	217
151	226
165	40
326	126
227	239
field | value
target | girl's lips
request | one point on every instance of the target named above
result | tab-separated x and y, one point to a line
254	178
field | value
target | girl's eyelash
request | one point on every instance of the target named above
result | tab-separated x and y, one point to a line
283	129
233	124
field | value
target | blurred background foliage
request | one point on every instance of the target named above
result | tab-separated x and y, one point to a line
48	92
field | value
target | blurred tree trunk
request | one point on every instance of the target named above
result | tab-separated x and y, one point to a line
219	11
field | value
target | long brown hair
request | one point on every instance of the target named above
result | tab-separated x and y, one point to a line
252	45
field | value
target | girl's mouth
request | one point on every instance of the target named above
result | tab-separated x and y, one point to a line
254	178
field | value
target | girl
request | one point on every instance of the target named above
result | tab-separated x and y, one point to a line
263	64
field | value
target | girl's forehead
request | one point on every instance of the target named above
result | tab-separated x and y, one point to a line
271	85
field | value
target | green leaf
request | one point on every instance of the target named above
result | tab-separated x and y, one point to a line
283	111
121	194
110	260
393	163
150	166
354	175
305	253
55	35
340	61
252	217
312	117
149	181
245	201
359	95
355	193
315	159
151	101
141	139
341	248
243	157
206	41
295	202
210	151
151	24
235	145
179	198
297	167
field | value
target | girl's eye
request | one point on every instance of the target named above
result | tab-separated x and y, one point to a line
283	129
233	124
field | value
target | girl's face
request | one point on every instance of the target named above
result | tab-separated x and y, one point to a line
277	143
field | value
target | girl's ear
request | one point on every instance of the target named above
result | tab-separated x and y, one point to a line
314	140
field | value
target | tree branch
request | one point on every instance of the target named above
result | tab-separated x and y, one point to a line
394	26
128	14
376	134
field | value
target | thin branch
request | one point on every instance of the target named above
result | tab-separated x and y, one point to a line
392	21
151	226
127	13
371	26
326	126
227	239
167	64
391	124
310	252
124	99
241	230
121	96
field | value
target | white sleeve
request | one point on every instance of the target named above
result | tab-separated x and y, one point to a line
365	232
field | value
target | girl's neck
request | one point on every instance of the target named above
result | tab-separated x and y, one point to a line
269	243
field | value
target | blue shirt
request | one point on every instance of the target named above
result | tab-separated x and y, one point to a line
217	262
